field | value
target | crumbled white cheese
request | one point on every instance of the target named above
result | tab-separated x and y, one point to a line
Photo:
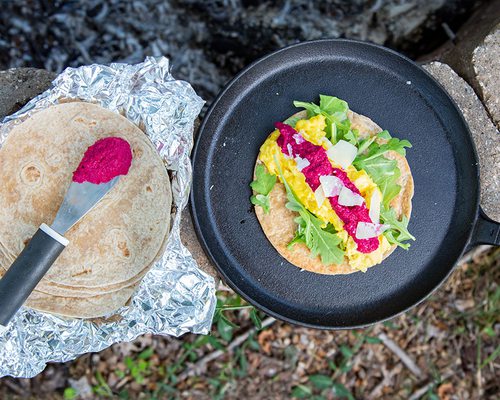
342	153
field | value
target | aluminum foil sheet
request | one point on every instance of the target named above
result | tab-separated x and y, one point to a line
175	296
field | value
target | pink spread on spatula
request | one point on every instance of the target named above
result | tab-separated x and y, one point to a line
104	160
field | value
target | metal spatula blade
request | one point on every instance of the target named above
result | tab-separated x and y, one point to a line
79	200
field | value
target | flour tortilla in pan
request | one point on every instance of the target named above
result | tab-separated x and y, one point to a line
116	243
279	225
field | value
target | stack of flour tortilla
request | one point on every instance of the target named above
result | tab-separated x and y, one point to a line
116	243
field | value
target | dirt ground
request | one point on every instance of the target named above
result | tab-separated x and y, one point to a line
446	348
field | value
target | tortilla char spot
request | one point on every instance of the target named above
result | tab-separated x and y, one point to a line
137	152
84	272
31	174
149	189
83	120
123	247
121	244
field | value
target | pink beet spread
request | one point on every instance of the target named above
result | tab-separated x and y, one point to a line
319	166
104	160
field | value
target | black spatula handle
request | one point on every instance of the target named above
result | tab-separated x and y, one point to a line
28	269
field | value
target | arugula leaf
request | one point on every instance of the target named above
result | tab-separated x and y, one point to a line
311	108
364	144
263	184
394	144
332	105
262	201
352	137
321	242
383	171
299	233
398	232
384	135
335	112
385	174
292	121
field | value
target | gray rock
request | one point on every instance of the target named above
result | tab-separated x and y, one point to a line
475	55
486	64
19	85
188	237
486	136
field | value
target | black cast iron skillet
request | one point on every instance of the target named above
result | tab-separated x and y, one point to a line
402	98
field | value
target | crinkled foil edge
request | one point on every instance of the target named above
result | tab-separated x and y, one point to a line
175	296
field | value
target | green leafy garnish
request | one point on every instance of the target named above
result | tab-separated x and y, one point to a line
384	135
263	184
292	121
375	150
384	172
398	232
335	112
321	242
262	201
352	137
333	105
364	144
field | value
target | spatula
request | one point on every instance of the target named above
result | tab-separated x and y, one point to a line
48	242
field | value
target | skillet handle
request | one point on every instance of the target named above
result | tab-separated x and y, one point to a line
485	231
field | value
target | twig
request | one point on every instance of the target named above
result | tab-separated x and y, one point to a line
423	390
223	288
388	375
405	358
479	378
202	362
377	6
468	257
15	388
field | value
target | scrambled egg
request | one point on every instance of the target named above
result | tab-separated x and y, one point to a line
313	131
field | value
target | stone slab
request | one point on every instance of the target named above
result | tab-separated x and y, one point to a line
19	85
486	64
188	237
486	136
474	53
